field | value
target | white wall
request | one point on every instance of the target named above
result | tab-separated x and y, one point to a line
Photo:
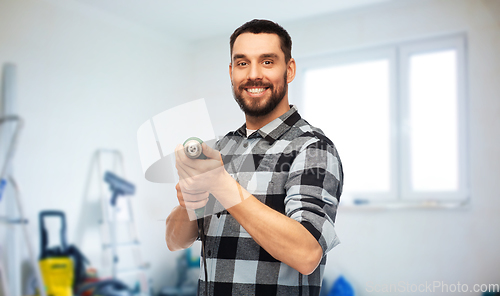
412	246
86	80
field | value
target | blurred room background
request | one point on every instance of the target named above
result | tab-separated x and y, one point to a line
87	73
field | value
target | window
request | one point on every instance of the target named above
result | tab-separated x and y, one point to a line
397	116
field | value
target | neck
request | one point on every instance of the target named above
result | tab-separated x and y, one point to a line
256	122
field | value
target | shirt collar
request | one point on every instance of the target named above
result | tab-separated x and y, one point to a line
276	128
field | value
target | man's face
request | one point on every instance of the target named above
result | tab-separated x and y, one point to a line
258	73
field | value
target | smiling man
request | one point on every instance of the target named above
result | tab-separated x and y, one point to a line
260	79
277	180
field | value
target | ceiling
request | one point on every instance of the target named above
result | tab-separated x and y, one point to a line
199	19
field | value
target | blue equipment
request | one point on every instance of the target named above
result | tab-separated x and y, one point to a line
341	287
118	186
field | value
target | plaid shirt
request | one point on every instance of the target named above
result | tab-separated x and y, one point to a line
293	168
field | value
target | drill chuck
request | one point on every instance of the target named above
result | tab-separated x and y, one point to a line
193	149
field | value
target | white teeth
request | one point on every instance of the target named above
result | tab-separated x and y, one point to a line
255	90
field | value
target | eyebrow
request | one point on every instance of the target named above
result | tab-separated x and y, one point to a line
269	55
264	55
238	56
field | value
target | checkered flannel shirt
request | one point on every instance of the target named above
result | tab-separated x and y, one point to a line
293	168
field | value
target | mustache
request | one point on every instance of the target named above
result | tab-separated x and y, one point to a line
255	83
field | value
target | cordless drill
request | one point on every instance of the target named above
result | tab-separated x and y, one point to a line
194	150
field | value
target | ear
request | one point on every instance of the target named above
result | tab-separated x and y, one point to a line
290	71
231	72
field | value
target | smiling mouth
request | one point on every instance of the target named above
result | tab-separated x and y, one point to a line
256	91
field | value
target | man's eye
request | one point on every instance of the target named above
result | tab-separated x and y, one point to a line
268	62
242	64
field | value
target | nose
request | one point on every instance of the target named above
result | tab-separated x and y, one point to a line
255	72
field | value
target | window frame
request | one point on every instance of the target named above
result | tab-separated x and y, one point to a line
398	55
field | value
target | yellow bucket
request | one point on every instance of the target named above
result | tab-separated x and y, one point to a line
57	275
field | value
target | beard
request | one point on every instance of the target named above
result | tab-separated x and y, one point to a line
262	106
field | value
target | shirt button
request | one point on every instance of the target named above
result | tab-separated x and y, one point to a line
245	145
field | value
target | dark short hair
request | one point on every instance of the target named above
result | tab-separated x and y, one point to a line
257	26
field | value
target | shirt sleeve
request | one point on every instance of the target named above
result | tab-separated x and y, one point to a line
313	190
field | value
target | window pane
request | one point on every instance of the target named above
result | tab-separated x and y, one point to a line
433	119
350	103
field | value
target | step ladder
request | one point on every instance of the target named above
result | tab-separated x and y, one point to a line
7	180
119	234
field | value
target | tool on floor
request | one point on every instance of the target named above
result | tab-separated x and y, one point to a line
63	266
57	267
108	287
